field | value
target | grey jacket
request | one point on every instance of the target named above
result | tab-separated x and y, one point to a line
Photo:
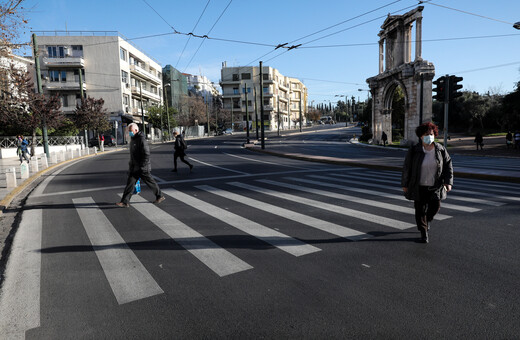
412	171
139	154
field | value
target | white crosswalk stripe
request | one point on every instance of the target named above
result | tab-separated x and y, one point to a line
392	223
128	278
216	258
281	241
397	197
372	203
331	228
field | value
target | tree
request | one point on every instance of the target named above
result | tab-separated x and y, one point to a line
91	115
193	109
11	22
154	117
511	108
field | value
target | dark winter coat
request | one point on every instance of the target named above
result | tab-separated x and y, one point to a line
139	154
412	171
180	145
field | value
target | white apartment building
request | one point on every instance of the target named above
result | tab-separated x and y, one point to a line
201	85
111	68
283	96
8	60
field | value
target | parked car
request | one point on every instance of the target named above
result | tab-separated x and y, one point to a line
109	141
228	131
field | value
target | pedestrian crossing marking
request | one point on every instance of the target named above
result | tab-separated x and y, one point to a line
281	241
373	203
313	222
216	258
128	278
392	223
393	196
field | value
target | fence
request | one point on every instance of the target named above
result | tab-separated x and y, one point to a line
8	144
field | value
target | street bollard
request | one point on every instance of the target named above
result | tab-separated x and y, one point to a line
61	157
54	158
24	170
10	177
45	163
95	150
70	154
33	165
88	151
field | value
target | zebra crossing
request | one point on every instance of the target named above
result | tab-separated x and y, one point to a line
130	280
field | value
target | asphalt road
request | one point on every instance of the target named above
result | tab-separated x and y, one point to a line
250	245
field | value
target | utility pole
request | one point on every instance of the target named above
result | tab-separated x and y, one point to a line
278	109
207	113
262	106
82	95
247	116
300	112
40	91
142	110
167	112
256	115
232	120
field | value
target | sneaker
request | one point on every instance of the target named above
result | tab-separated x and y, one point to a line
159	200
122	205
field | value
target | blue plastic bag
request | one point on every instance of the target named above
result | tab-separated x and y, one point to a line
137	188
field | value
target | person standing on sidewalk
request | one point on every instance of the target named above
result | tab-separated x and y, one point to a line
509	139
101	142
22	151
179	147
384	138
427	177
479	140
139	167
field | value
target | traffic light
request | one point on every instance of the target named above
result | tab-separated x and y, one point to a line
454	87
439	89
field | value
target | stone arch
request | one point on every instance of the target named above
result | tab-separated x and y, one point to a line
388	96
396	69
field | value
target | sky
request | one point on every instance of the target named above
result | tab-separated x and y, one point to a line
474	39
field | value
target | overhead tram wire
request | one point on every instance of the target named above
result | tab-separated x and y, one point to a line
153	9
202	42
193	30
487	68
466	12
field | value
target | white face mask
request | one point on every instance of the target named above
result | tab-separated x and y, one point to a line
428	139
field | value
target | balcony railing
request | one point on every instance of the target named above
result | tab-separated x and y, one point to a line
146	74
64	62
62	86
147	94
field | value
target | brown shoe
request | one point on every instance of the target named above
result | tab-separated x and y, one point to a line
159	200
122	205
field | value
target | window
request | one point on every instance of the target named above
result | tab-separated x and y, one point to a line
246	75
248	90
122	53
267	102
77	50
56	51
235	77
78	99
63	75
124	77
265	76
266	89
54	75
76	75
153	89
64	101
126	99
235	90
244	103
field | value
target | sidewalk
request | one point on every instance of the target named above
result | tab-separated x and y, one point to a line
7	194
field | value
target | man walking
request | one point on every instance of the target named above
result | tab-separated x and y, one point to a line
179	151
139	167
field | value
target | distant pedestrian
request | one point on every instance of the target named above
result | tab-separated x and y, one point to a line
139	167
384	138
179	147
101	142
517	139
427	177
509	139
22	151
479	140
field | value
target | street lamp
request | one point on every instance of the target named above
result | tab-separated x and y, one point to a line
167	112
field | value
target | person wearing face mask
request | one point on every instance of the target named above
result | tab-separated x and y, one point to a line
139	167
427	177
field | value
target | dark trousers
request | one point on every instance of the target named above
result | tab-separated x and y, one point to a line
179	154
145	177
425	208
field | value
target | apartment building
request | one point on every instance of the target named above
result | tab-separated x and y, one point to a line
201	86
110	67
8	61
283	96
175	86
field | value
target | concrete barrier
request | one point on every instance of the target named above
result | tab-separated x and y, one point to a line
45	163
10	177
24	170
33	165
54	158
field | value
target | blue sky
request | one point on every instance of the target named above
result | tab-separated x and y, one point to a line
486	63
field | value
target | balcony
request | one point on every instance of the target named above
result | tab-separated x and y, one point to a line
268	79
145	74
62	86
146	94
268	108
229	81
64	62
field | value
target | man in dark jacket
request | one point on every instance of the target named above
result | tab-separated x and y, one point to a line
179	151
139	167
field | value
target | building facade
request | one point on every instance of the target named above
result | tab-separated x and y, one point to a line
175	86
109	66
284	98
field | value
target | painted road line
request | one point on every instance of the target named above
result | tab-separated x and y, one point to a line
265	162
277	239
393	196
128	278
216	258
310	221
325	206
219	167
20	295
373	203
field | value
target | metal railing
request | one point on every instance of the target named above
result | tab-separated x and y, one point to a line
11	142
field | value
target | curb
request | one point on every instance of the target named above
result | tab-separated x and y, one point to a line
337	161
4	203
